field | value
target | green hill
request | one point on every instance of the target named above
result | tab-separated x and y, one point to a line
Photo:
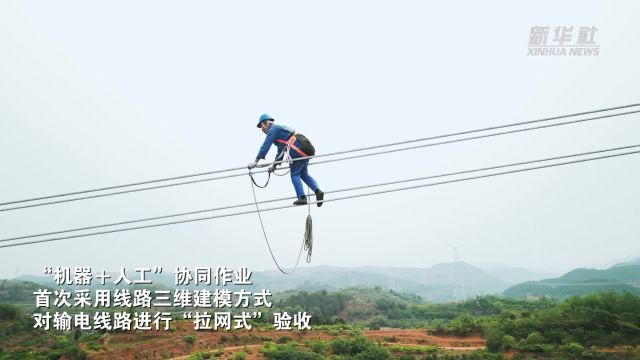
581	282
18	293
622	273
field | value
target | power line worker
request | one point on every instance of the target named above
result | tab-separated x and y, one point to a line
294	145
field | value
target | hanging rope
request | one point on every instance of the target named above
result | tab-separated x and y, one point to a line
256	184
307	241
268	178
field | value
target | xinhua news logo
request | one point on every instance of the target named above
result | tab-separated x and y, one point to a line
563	41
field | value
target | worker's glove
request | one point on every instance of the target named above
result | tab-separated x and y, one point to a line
252	165
271	168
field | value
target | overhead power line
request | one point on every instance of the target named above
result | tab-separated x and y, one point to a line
325	201
323	155
327	192
331	160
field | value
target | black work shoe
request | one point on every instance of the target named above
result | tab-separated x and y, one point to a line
301	201
319	197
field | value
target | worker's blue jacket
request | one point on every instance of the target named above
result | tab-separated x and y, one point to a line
275	133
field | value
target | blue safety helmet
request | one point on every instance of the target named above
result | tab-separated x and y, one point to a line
264	117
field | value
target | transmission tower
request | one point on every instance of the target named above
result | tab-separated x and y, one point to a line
459	294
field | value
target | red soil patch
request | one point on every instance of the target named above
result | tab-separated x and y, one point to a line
420	337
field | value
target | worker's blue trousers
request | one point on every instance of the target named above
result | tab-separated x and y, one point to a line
299	171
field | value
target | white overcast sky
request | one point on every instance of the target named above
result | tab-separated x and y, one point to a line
102	93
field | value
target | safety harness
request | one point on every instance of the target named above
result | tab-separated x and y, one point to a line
291	144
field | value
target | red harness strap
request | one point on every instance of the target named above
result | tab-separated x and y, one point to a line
291	143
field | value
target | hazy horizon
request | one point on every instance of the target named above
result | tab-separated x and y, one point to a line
484	267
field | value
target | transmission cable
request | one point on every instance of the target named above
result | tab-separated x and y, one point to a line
324	201
339	159
322	155
327	192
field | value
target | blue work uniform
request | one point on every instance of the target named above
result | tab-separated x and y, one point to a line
299	171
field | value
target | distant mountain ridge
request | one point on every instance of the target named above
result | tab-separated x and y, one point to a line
435	283
635	261
441	282
516	275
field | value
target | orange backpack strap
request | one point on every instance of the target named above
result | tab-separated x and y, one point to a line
291	143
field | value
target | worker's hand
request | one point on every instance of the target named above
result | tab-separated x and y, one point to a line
271	168
252	165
